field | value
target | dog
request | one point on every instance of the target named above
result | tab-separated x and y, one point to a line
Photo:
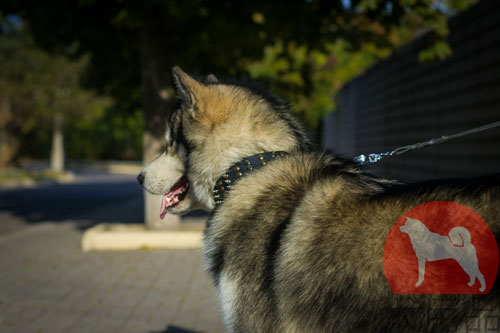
429	246
296	235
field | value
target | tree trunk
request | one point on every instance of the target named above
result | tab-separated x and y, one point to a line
57	151
9	143
159	101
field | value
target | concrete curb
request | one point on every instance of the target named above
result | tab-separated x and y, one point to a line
105	237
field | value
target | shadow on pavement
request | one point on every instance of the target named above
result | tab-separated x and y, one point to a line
175	329
91	199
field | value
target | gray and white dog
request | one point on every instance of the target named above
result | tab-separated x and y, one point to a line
296	236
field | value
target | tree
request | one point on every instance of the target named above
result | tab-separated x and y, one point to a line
39	92
311	75
134	44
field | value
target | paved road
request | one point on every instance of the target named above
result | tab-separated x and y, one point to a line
48	285
79	201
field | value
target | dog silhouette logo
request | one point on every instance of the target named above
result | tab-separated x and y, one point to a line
440	247
430	246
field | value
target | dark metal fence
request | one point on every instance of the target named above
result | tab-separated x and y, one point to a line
401	101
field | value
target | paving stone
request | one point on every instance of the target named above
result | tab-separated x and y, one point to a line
48	285
29	328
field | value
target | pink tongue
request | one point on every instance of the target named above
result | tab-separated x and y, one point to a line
166	202
169	200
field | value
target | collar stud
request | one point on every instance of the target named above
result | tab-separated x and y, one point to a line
226	182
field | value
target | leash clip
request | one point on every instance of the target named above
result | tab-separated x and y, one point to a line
375	157
371	158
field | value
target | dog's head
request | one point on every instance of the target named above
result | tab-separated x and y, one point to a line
412	226
167	174
223	123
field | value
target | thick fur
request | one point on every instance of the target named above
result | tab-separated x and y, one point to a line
297	246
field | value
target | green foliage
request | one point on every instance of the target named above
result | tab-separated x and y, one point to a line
304	50
312	75
311	78
440	50
106	134
36	86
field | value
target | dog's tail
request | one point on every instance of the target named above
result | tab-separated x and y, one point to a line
459	236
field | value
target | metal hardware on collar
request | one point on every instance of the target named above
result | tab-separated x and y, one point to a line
373	158
238	170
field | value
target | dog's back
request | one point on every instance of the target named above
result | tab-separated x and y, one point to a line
314	259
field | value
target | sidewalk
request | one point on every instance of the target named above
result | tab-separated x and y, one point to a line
47	284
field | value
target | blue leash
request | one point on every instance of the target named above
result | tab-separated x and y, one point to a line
375	157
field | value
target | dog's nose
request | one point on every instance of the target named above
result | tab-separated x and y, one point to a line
140	178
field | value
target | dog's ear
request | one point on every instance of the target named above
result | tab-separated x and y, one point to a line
212	79
187	87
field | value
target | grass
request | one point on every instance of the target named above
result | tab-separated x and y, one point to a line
10	175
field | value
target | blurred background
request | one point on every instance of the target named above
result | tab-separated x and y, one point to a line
86	88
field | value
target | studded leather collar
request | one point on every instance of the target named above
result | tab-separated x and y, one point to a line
238	170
